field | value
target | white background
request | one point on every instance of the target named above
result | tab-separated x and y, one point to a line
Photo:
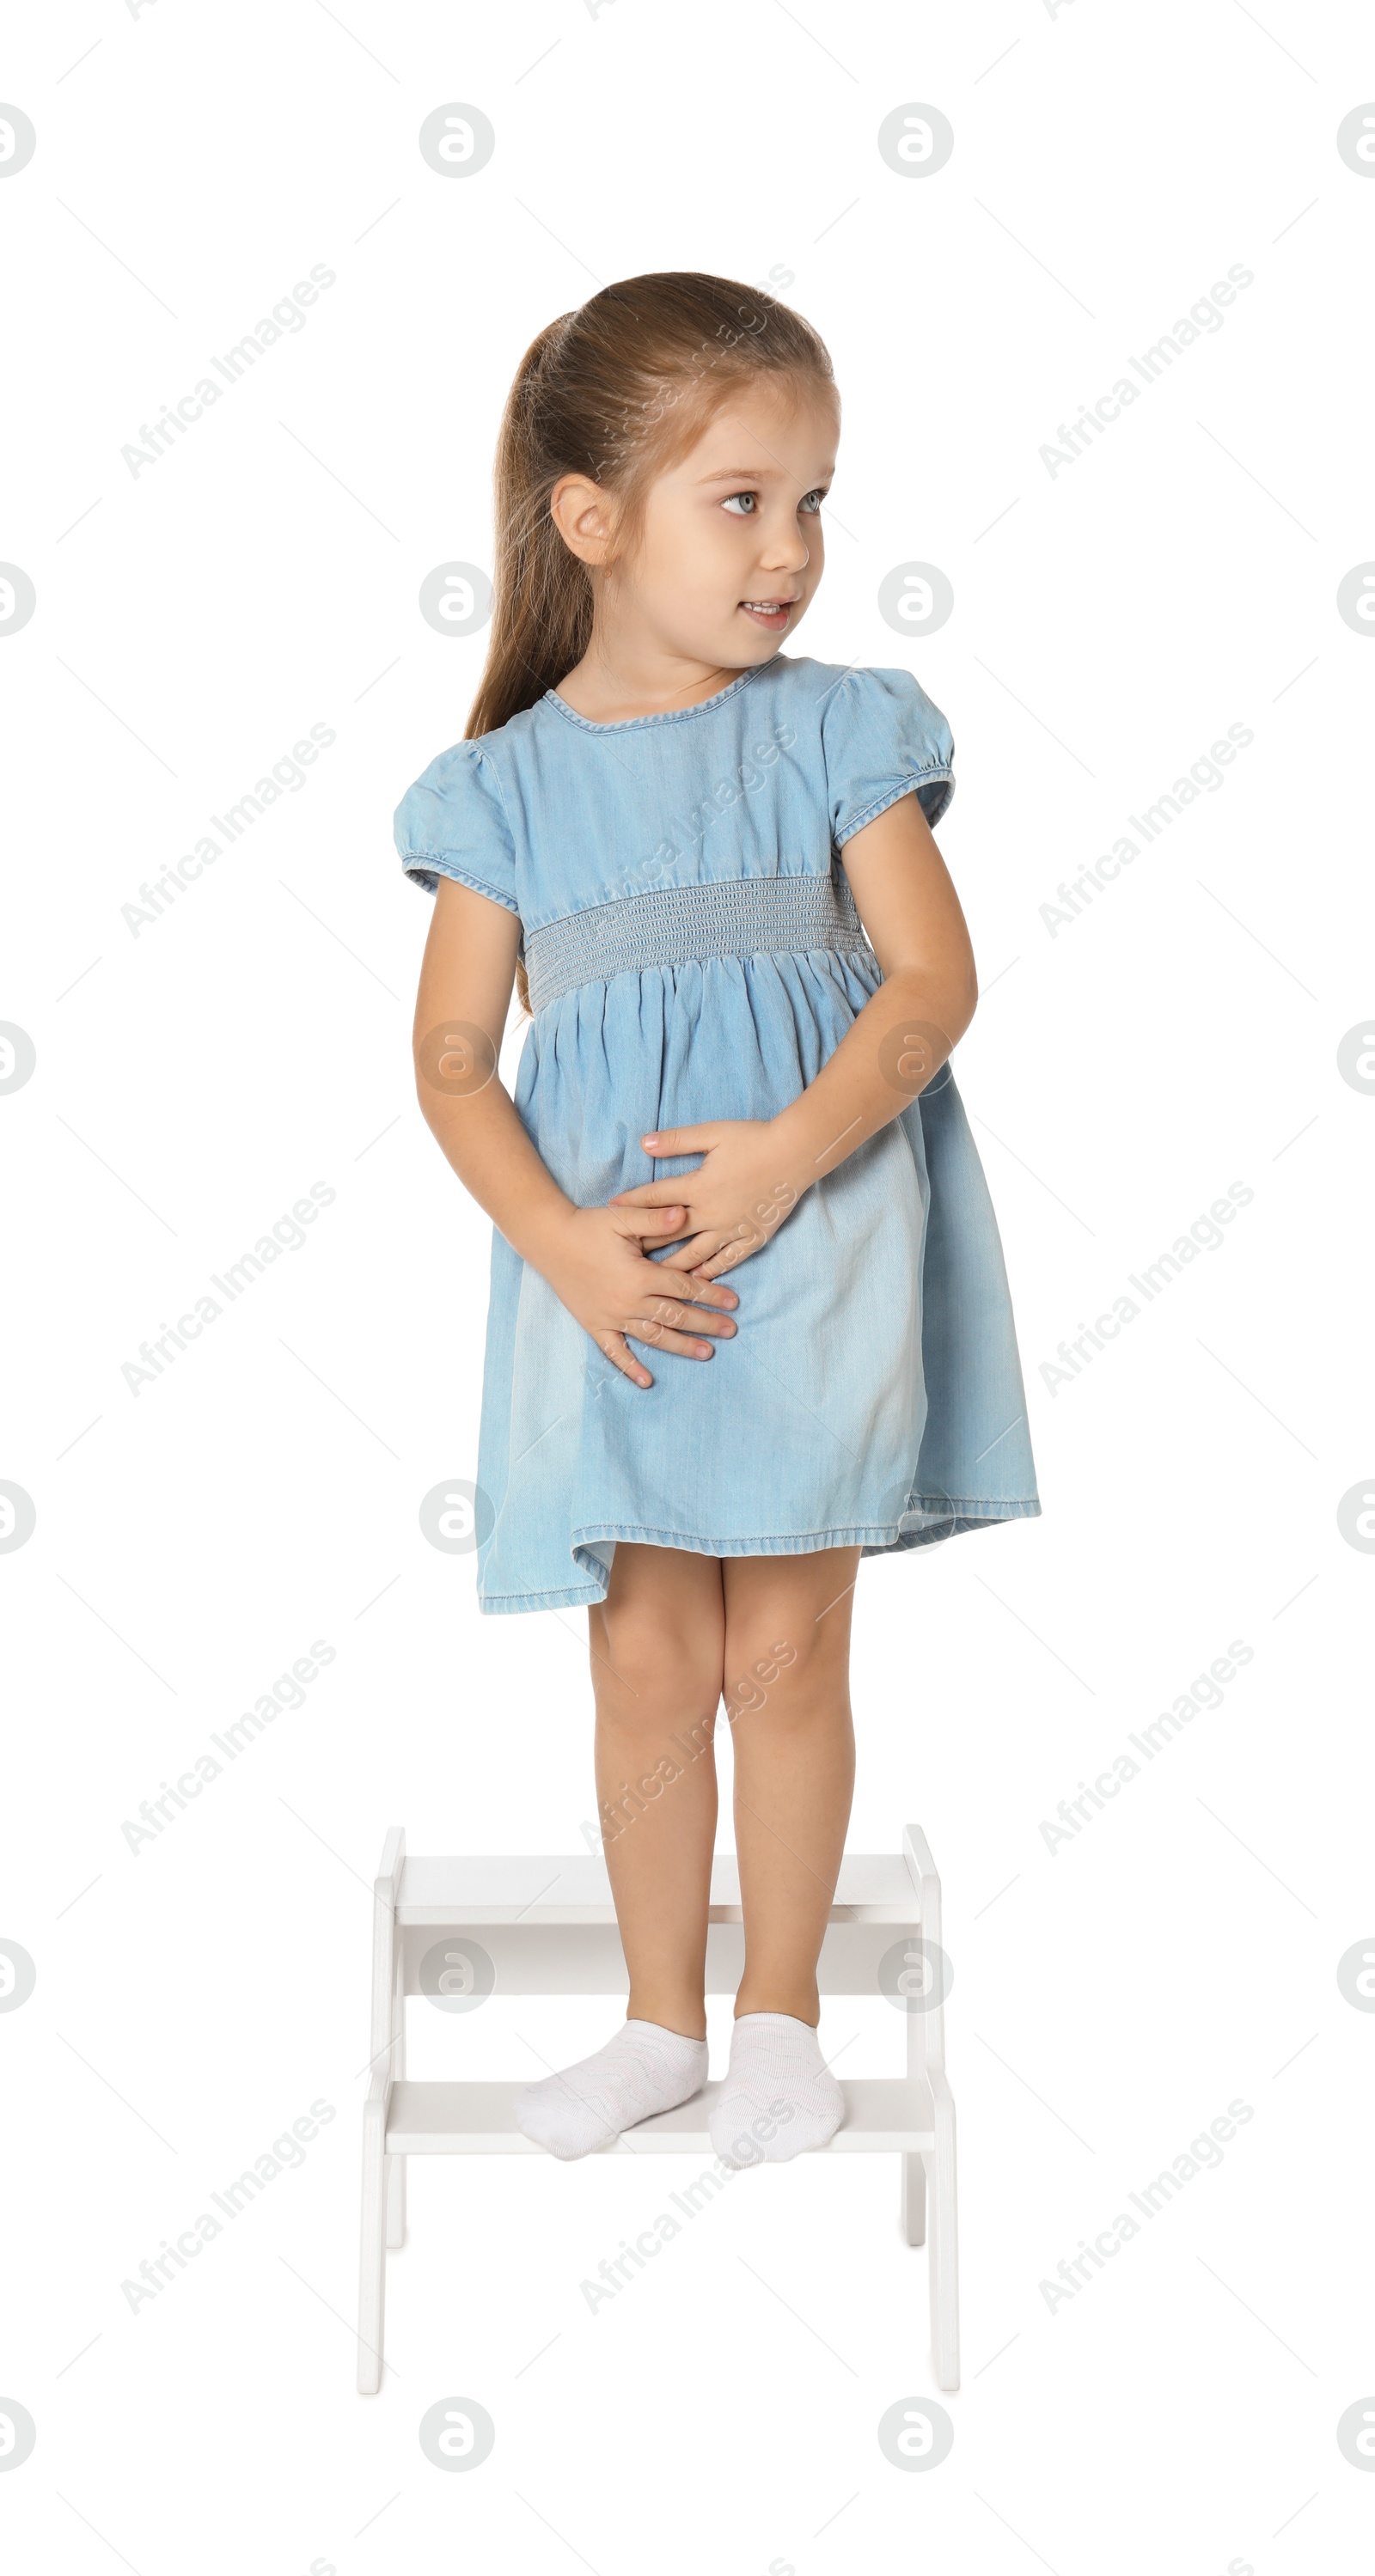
193	1539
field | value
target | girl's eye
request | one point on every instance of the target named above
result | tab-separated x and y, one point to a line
745	505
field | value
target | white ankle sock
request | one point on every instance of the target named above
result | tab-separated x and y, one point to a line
779	2097
644	2069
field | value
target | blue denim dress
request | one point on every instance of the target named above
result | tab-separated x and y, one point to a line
693	951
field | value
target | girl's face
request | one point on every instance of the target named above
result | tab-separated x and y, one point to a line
731	548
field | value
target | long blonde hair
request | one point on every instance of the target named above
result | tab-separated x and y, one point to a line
617	390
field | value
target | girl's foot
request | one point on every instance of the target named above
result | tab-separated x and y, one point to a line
644	2069
779	2097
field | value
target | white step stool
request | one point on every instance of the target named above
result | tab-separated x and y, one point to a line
549	1928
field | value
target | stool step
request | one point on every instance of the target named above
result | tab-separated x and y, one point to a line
881	2113
873	1887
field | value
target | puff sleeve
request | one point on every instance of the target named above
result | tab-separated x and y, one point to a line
452	823
882	738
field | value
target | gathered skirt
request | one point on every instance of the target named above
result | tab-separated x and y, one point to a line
872	1394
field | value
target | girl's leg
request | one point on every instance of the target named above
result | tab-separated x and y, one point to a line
656	1645
787	1689
788	1696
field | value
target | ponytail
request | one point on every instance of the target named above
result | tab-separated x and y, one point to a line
542	597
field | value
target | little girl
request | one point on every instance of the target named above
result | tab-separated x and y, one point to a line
735	1067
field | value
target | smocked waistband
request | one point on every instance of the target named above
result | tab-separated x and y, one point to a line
742	917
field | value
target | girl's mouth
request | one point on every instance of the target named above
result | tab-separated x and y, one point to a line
770	613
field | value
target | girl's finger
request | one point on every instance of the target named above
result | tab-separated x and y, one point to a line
617	1349
664	1337
688	1305
646	1194
665	1221
712	1249
682	1140
699	1248
676	1278
728	1256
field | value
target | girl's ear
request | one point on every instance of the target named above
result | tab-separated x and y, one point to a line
582	513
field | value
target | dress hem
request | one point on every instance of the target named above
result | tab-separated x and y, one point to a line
939	776
947	1518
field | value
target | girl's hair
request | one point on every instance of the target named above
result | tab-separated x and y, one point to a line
617	391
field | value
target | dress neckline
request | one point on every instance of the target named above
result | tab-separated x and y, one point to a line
666	715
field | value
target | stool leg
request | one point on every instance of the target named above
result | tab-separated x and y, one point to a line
914	2199
372	2276
396	2200
396	2165
943	2258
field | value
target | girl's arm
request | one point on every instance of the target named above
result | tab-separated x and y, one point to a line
928	997
592	1257
466	980
754	1171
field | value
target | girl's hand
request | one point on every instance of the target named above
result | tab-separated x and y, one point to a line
736	1199
598	1270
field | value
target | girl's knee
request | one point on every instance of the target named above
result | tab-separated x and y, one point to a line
788	1627
774	1661
646	1660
